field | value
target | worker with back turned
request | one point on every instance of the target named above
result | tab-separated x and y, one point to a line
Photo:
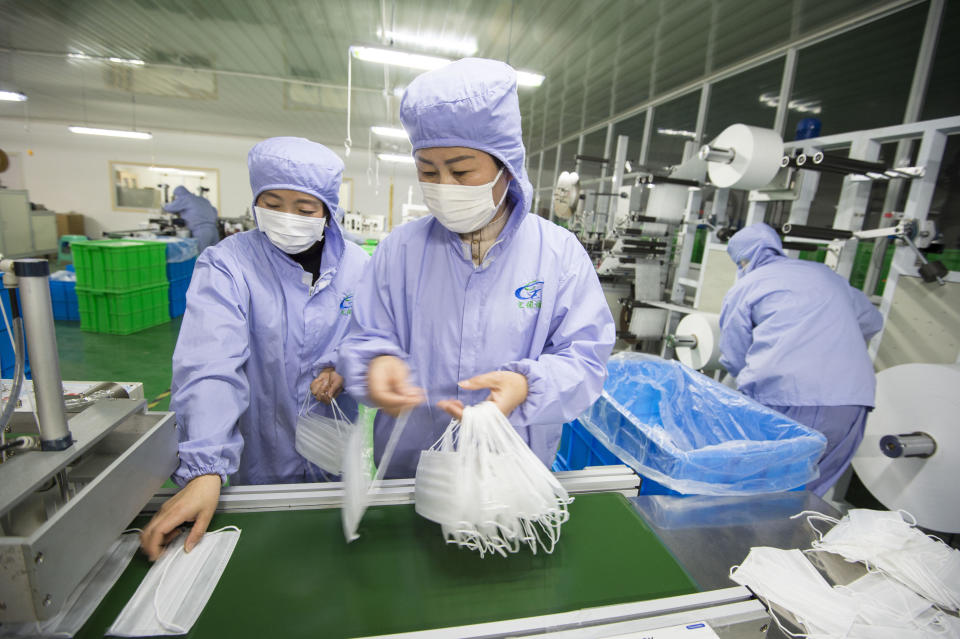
794	333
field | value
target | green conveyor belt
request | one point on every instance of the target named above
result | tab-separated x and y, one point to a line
292	574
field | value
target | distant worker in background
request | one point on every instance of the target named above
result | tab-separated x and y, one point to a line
794	333
266	312
199	215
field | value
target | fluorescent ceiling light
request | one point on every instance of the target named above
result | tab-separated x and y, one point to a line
529	79
131	61
466	46
176	171
395	157
112	133
389	132
677	132
12	96
79	56
800	106
396	58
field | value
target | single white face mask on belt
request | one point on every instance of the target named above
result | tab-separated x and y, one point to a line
176	589
461	208
289	232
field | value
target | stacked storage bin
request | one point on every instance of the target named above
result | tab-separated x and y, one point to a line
179	274
63	295
121	285
7	360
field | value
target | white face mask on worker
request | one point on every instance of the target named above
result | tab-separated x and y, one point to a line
289	232
461	208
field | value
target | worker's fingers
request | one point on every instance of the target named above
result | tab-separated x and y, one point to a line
395	403
199	527
154	536
454	407
492	379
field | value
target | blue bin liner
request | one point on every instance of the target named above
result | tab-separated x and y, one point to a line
179	249
180	270
681	429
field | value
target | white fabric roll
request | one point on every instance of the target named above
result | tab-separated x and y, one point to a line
911	398
706	354
757	157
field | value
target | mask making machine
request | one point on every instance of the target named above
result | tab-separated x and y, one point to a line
73	474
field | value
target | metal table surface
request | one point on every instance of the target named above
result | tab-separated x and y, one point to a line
709	534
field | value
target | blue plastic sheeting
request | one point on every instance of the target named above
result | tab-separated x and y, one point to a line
682	429
179	249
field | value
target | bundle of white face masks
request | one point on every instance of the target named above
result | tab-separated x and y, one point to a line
321	439
486	488
884	541
872	607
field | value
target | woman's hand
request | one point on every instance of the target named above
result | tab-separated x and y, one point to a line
327	385
388	382
195	502
507	390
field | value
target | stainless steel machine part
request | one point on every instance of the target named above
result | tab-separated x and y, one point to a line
34	276
51	538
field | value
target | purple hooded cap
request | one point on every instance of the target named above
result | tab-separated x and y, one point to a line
754	244
471	103
296	164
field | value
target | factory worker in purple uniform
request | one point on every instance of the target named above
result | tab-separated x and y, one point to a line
266	313
479	299
199	215
794	335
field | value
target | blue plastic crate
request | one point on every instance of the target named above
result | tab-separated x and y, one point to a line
178	296
180	270
7	360
580	449
63	295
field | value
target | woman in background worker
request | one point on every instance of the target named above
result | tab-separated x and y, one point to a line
198	214
479	299
794	333
266	312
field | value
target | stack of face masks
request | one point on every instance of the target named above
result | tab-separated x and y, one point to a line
321	439
487	490
884	541
176	589
872	607
912	580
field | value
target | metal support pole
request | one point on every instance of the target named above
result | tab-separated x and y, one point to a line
34	276
786	87
618	171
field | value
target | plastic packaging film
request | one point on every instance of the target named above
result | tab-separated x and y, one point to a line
915	398
705	327
757	155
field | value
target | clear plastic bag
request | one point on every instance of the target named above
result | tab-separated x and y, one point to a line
695	436
322	439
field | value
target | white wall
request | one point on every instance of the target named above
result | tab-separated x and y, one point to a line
68	172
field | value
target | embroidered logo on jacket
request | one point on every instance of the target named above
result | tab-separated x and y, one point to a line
346	305
529	295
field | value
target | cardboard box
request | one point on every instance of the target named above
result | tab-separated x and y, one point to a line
70	224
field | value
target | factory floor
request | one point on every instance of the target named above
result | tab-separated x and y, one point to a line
140	357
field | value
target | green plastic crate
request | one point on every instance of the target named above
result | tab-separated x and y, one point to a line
123	313
119	265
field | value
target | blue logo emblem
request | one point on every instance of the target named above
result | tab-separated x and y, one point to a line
346	305
529	294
